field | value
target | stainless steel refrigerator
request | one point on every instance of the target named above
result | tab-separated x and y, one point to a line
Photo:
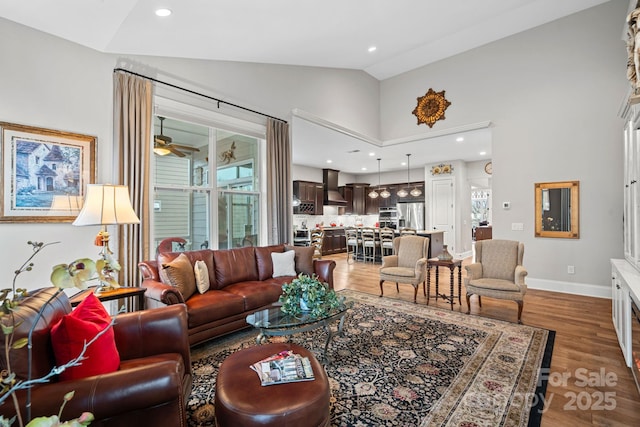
411	215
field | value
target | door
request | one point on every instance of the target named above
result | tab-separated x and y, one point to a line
442	209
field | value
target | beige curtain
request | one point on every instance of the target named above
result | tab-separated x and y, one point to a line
279	190
132	127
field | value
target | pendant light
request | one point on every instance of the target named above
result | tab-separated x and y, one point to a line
373	194
416	191
403	192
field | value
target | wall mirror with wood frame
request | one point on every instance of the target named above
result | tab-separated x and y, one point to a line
557	209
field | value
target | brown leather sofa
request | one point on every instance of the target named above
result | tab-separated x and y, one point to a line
241	283
151	386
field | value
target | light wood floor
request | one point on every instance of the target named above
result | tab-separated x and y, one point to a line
585	351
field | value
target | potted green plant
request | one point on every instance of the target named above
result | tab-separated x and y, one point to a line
306	294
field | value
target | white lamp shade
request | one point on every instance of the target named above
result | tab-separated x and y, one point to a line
106	204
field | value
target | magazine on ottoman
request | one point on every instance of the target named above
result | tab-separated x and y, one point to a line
283	367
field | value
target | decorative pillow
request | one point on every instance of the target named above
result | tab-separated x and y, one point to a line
303	258
202	276
179	274
283	263
82	325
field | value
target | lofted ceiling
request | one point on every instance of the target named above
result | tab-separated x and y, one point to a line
334	33
407	34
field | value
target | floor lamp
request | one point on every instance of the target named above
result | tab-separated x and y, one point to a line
106	204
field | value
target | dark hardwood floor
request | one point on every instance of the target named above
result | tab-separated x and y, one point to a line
597	390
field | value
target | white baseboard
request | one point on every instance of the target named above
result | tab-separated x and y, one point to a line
584	289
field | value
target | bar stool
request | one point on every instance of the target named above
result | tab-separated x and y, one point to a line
353	243
369	244
386	241
317	238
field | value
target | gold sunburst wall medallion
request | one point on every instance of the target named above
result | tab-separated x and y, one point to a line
431	107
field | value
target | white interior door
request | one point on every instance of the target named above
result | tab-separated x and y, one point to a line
442	208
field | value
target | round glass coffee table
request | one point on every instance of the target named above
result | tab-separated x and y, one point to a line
272	322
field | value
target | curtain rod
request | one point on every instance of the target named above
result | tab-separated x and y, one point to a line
219	101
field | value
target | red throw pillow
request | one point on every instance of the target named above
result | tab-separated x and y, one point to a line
74	329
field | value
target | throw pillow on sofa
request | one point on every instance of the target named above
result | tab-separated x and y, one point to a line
303	258
179	274
69	335
201	273
283	264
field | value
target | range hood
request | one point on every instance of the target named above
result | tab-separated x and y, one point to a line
332	196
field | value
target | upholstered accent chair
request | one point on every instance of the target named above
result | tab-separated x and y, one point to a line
497	273
408	264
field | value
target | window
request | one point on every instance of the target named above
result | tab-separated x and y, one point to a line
208	213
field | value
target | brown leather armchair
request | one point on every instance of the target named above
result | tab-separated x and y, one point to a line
151	386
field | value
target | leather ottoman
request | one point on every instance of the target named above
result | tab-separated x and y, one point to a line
241	401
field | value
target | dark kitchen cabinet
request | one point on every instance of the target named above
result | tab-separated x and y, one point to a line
334	242
389	202
356	196
372	206
347	194
318	198
310	196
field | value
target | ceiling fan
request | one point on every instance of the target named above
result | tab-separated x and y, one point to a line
163	144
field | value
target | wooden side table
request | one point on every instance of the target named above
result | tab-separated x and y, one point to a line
451	265
119	293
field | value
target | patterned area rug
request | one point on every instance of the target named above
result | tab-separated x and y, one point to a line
402	364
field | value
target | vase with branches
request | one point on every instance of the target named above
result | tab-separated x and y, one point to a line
75	274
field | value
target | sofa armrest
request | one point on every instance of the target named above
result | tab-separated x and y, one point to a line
323	268
161	294
151	332
149	270
109	395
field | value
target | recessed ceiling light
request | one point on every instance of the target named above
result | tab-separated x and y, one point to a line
163	12
329	161
403	164
460	139
483	153
364	169
372	154
372	49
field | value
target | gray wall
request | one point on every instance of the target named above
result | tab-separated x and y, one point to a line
552	94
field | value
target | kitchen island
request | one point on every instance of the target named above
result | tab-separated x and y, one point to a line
335	240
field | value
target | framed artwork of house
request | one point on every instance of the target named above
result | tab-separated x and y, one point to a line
44	173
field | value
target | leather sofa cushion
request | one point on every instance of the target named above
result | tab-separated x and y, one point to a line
205	255
235	265
263	260
213	305
256	294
